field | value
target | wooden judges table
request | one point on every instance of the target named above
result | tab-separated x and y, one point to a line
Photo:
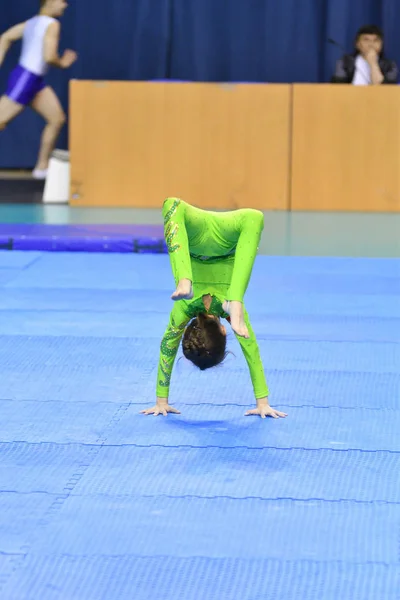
272	147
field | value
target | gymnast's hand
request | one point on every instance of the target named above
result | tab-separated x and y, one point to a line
161	408
68	59
265	410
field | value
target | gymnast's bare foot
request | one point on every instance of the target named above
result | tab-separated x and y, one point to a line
236	312
184	290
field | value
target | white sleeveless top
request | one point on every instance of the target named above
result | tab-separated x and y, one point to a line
32	55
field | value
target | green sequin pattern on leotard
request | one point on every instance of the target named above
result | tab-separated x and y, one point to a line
196	307
171	211
170	232
164	366
167	353
171	229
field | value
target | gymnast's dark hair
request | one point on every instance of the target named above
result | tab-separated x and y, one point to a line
204	344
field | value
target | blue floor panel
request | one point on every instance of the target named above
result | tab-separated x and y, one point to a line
60	422
107	385
109	272
71	353
221	527
20	519
327	389
105	577
18	260
135	383
99	502
225	426
209	473
54	466
7	275
215	472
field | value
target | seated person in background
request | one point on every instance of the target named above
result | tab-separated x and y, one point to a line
367	65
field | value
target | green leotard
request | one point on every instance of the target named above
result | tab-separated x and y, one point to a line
216	251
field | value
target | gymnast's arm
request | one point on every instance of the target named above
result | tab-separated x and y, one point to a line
8	38
168	350
51	42
251	353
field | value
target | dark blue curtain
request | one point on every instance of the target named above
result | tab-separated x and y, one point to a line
123	39
201	40
252	40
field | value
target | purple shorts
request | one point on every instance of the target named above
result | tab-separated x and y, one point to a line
23	85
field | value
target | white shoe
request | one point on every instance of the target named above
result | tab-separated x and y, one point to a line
39	174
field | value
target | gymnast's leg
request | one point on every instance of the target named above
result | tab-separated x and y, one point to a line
47	105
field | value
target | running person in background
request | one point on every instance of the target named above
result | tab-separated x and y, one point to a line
26	87
212	256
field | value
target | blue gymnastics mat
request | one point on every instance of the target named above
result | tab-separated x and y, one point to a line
98	502
82	238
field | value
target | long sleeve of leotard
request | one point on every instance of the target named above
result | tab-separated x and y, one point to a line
169	347
251	353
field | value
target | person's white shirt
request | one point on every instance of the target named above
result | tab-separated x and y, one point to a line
32	54
362	74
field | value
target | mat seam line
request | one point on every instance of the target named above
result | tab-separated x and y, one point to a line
300	500
277	402
132	445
